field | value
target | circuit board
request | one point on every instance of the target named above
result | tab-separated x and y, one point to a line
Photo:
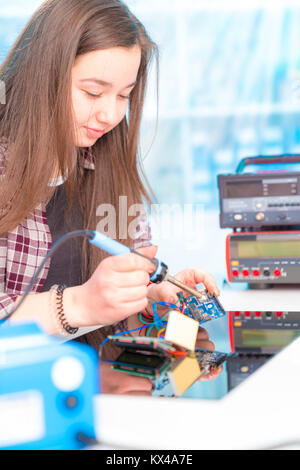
203	309
209	360
143	343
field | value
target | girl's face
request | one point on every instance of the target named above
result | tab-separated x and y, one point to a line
101	85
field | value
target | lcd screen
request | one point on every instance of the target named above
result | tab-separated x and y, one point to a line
268	338
242	189
268	249
280	186
143	360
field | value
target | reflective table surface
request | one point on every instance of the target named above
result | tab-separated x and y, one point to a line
246	338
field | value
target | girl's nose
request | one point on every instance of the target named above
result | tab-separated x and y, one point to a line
107	112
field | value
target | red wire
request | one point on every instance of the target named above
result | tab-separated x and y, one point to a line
147	316
144	330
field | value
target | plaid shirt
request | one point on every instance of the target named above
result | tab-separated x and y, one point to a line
23	249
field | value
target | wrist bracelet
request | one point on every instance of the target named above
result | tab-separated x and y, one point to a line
61	322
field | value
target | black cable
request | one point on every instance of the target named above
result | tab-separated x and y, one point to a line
55	246
91	442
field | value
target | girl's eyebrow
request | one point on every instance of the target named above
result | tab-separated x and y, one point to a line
103	83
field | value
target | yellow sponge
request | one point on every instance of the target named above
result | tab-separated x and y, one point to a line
183	374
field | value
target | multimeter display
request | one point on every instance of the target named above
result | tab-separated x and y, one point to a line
269	249
261	187
264	338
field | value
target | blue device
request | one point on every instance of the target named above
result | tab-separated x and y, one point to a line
47	390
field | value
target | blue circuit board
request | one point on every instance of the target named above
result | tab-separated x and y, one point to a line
203	309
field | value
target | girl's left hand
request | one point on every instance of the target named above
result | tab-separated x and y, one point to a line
167	292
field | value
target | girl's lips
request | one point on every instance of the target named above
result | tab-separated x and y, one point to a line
94	134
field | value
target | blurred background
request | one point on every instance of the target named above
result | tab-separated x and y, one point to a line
229	87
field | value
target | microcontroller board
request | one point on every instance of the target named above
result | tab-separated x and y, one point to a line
203	309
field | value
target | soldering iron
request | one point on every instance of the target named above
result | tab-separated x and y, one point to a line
113	247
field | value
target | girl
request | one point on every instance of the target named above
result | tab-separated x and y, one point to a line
75	83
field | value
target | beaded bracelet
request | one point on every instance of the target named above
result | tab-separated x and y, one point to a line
63	326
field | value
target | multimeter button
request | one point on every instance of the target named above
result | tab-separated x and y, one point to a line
279	314
247	314
256	272
260	216
267	272
237	314
257	314
235	273
277	273
238	217
246	273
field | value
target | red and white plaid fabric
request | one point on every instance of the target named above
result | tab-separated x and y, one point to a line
23	249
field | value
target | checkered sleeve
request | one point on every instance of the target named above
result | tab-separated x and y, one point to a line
7	301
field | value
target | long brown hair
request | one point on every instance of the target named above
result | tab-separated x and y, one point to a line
35	121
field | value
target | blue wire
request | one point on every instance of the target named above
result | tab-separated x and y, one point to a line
157	322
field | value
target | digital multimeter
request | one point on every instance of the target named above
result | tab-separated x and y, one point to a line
263	257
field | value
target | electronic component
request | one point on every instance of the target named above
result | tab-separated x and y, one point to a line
259	200
183	373
143	343
145	364
209	360
263	257
164	363
182	330
47	390
143	356
262	332
205	308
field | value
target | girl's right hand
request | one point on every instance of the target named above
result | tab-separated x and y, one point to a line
116	290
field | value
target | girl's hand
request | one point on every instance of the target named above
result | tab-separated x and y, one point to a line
116	290
167	292
203	341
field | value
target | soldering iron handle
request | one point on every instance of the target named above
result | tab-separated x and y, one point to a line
109	245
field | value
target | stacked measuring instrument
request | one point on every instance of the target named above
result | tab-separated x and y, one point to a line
261	203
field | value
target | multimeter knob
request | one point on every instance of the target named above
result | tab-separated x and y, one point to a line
260	216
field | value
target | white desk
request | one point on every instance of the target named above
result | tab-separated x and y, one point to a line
261	413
